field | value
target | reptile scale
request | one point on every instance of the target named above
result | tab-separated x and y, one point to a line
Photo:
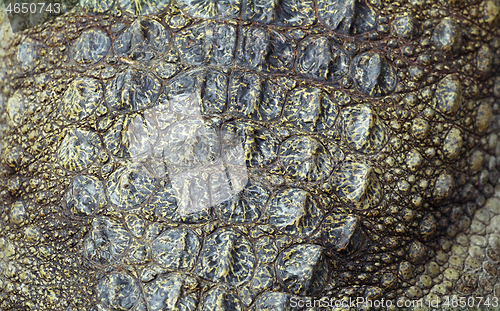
239	154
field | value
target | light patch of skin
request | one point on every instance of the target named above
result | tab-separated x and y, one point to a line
6	33
6	37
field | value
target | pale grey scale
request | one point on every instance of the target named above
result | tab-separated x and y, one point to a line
132	90
27	55
107	241
373	74
310	109
264	50
221	298
272	301
164	204
302	269
131	136
79	149
245	206
259	11
198	92
130	185
227	256
208	43
306	158
85	196
142	7
294	212
143	40
91	47
81	99
96	6
118	291
176	249
167	291
346	16
258	143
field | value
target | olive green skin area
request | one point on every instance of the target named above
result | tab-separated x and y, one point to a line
179	154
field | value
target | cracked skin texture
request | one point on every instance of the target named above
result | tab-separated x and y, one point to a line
238	154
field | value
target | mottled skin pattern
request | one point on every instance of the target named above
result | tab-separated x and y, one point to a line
229	155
